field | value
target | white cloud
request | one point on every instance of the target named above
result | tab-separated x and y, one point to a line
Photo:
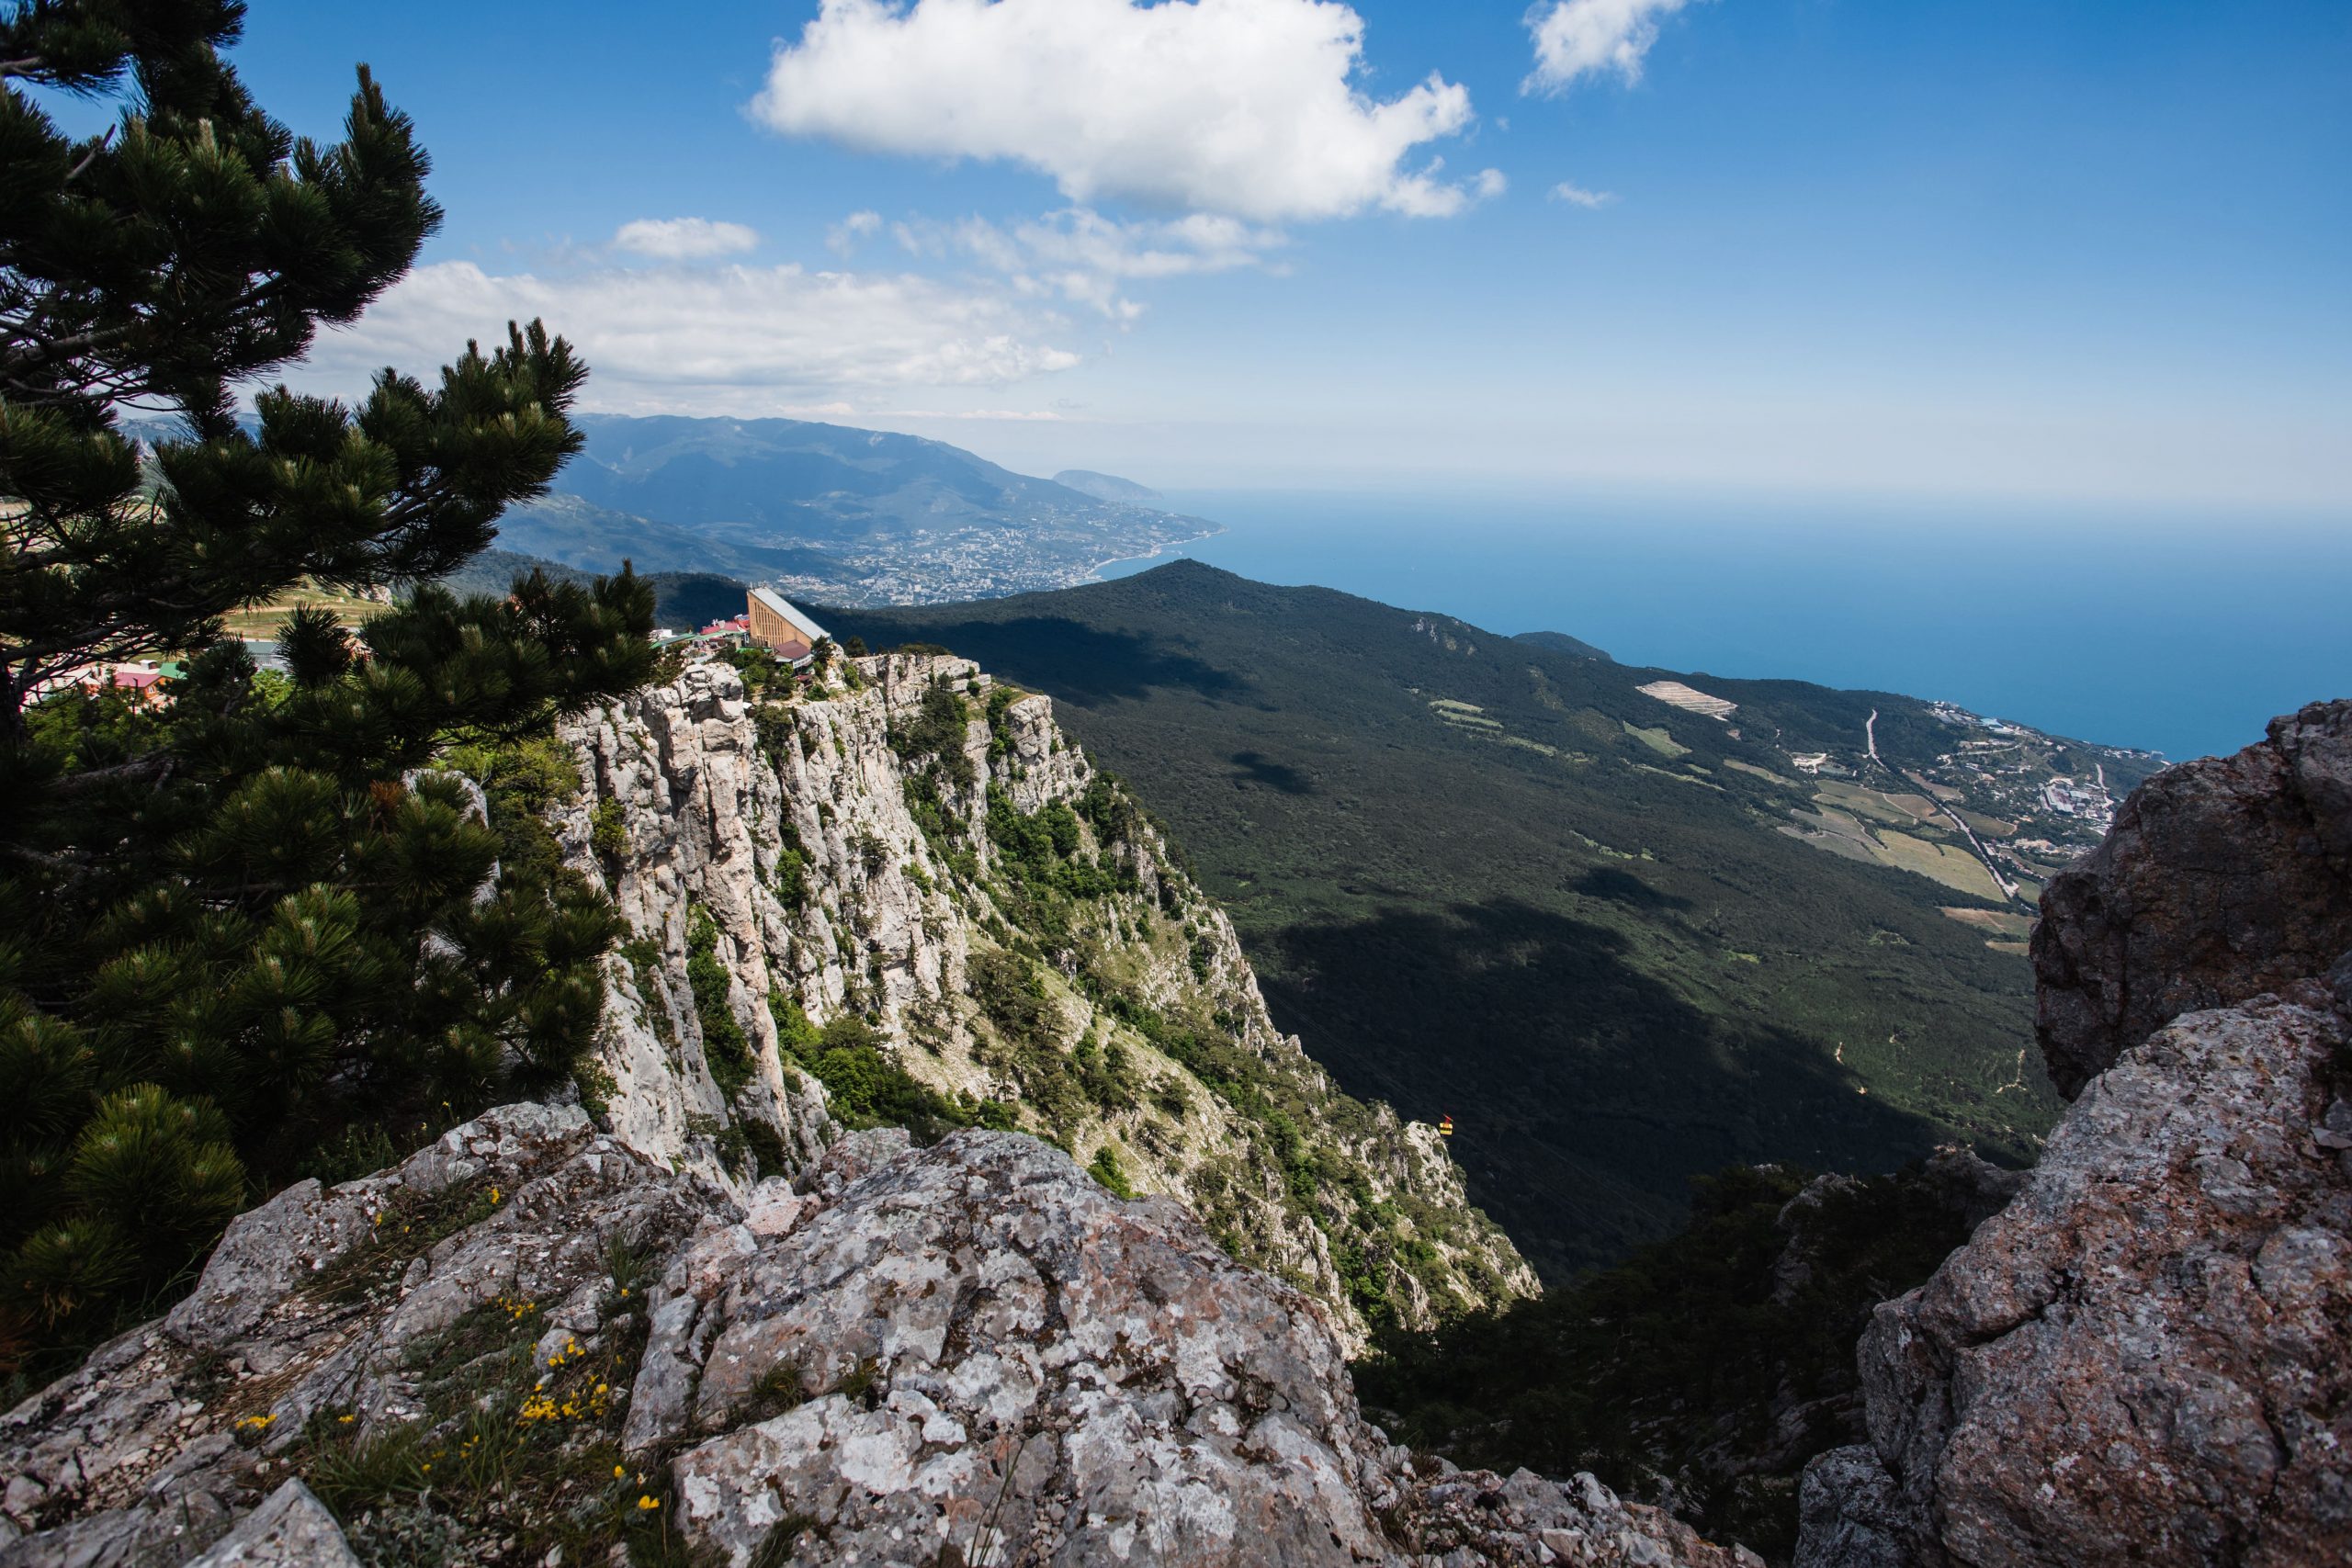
1586	38
1576	196
698	338
1245	107
685	239
842	237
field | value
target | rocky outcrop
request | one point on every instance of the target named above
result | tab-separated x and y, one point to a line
528	1343
2222	879
830	855
2146	1358
2143	1359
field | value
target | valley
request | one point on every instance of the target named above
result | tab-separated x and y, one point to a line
1621	943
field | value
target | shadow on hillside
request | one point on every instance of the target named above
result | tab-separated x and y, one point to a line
1066	659
1258	768
1620	887
1585	1092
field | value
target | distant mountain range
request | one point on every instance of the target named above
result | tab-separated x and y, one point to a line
1625	927
854	516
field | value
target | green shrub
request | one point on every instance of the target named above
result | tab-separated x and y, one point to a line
724	1046
607	828
1106	1169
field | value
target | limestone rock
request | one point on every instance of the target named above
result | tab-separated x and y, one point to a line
2222	879
291	1529
789	826
968	1353
2147	1357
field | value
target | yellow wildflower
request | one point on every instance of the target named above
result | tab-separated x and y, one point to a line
619	1471
647	1503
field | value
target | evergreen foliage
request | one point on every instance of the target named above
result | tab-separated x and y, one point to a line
865	1085
261	923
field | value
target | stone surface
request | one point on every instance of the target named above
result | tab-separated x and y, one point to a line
311	1305
2147	1357
1852	1514
290	1529
2222	879
964	1353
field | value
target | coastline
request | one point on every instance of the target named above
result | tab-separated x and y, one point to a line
1094	573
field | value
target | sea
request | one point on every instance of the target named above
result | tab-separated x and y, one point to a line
2171	632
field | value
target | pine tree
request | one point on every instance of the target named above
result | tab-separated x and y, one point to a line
267	920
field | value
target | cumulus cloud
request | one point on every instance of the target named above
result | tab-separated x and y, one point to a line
672	338
685	239
1589	38
843	238
1576	196
1242	107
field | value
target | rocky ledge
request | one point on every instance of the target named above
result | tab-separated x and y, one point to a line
530	1345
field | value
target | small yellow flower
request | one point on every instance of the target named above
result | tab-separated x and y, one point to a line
493	1196
647	1503
619	1471
345	1420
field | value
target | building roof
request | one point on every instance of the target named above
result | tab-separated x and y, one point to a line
794	616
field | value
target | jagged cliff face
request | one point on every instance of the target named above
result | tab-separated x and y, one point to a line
2143	1359
785	865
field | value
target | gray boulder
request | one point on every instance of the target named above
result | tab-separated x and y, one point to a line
2147	1357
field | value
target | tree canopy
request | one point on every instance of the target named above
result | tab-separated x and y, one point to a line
274	921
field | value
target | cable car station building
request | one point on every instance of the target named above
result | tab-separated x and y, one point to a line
781	627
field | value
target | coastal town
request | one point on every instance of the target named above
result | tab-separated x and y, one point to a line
1993	811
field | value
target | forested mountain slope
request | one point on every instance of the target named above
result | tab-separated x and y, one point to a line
1485	879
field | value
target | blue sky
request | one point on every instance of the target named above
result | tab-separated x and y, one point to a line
2081	252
